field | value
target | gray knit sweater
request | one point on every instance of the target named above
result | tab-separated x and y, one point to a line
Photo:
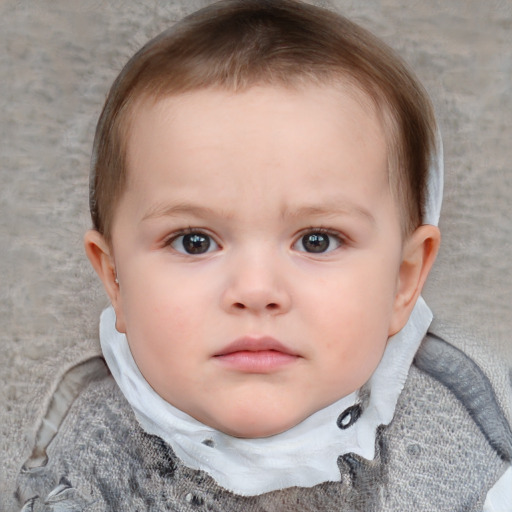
447	445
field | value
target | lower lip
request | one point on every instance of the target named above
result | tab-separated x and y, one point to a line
261	361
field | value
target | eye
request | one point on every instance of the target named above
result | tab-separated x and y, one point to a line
318	241
194	242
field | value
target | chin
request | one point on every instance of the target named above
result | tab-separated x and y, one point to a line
247	428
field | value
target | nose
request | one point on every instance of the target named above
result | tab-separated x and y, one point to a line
256	285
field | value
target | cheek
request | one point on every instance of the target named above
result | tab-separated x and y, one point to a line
356	287
352	303
167	312
163	338
160	290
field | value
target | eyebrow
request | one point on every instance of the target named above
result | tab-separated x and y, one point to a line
325	209
329	209
174	210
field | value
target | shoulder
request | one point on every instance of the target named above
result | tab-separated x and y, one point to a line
451	429
89	448
461	361
481	383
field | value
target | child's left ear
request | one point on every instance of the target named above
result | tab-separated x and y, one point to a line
419	253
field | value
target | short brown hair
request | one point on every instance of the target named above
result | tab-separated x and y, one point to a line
236	44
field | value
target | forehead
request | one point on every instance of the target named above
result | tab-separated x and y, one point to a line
278	122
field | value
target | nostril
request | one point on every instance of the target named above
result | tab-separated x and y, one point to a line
272	306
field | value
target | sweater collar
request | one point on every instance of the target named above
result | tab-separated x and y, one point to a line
305	455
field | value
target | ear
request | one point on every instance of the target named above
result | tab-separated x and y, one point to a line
100	255
419	253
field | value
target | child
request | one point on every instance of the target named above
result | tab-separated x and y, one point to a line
266	185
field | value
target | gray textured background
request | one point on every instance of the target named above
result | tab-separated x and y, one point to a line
57	61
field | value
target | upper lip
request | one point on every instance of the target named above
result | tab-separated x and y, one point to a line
255	344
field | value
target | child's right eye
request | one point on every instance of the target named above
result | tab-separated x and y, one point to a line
194	242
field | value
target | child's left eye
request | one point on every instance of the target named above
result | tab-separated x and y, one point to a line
317	242
193	243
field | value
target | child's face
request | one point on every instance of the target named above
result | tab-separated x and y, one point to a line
259	253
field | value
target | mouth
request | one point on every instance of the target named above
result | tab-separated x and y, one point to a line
253	354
